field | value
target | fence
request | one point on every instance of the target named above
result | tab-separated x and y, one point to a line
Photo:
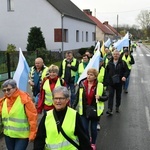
9	61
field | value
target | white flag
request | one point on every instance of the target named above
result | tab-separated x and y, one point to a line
94	63
22	72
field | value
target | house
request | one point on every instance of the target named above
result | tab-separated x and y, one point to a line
117	35
102	32
63	24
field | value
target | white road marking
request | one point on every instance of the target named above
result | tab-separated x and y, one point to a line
141	54
147	117
134	54
148	55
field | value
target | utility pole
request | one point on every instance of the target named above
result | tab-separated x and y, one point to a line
117	23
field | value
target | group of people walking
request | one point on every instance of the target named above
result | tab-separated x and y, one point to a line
71	111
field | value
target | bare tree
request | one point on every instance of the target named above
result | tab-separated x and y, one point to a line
143	19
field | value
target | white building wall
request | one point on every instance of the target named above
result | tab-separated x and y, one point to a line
15	25
99	34
72	25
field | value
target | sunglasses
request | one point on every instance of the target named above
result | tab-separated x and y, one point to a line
8	90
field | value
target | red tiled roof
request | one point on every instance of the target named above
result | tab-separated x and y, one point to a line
111	28
100	25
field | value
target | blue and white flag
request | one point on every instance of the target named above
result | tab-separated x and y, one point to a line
97	47
94	63
22	72
107	43
124	42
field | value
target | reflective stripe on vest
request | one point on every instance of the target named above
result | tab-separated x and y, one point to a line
127	60
101	75
48	93
16	120
55	139
73	63
80	104
100	105
106	62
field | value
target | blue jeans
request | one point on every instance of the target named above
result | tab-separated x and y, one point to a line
126	84
16	143
71	87
93	128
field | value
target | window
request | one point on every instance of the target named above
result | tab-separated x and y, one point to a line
82	36
93	36
77	35
65	35
58	35
86	36
10	5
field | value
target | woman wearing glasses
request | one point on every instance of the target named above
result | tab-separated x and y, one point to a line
19	116
61	128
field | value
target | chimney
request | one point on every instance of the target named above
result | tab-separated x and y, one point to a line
87	11
105	22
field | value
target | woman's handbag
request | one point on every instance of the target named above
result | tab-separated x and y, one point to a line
91	112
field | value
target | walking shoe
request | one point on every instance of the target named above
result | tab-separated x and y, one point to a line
109	112
126	91
117	109
98	127
93	146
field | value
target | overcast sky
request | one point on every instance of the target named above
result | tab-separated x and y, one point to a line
107	10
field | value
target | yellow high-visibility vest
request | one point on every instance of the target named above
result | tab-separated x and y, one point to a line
73	63
54	139
48	93
100	105
127	60
15	122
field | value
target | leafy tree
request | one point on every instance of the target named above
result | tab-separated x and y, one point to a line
11	48
35	39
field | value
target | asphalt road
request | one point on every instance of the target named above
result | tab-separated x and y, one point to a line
129	129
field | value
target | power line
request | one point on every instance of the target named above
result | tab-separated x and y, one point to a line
122	11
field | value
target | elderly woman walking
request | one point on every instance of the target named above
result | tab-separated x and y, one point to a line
19	116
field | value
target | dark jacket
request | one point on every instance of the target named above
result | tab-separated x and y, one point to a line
121	69
103	98
67	76
84	142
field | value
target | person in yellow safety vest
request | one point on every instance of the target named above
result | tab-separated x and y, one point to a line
81	67
89	53
107	56
100	79
67	71
50	135
101	73
49	83
90	94
19	116
129	59
36	75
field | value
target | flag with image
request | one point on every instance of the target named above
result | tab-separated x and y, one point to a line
21	73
